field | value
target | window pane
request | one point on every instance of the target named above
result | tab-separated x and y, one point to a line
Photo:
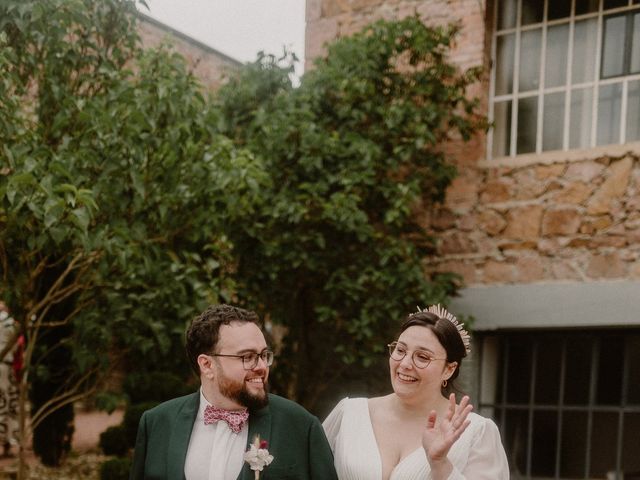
559	9
557	42
630	457
584	51
578	378
580	118
615	3
505	51
613	46
604	439
530	43
507	10
519	370
527	118
635	47
586	6
532	11
573	451
543	454
553	121
633	115
501	129
549	359
516	439
609	114
610	368
633	385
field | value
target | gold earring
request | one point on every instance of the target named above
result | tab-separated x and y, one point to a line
444	383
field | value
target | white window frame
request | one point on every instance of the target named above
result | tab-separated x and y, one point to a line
594	84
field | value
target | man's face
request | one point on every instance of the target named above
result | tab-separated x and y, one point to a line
244	388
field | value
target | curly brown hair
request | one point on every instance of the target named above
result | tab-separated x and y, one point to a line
203	333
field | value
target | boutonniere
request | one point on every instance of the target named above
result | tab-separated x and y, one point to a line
258	456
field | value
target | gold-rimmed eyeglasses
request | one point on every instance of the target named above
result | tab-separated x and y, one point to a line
420	358
250	359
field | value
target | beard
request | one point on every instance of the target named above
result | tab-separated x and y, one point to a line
239	393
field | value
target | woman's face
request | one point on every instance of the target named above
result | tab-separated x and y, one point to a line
420	344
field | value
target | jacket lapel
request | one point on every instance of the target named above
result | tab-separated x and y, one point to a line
179	441
259	424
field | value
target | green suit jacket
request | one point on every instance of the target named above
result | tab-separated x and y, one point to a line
295	438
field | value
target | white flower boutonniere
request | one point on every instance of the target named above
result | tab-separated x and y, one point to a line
258	456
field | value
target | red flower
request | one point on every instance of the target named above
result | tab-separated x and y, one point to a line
263	444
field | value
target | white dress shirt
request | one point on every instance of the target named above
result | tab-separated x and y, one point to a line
215	452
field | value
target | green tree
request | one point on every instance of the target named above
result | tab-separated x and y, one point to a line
115	195
353	153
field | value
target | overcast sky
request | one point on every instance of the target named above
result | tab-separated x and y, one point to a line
238	28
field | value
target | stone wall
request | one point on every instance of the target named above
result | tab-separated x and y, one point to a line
575	221
206	63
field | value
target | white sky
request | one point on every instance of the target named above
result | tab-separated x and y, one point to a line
237	28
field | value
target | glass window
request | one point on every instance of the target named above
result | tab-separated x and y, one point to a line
559	10
527	123
613	49
553	121
580	118
586	6
585	37
579	359
543	452
555	72
591	55
610	368
607	4
506	49
578	435
519	370
630	457
604	442
532	12
574	444
530	47
635	45
633	385
502	131
610	97
507	10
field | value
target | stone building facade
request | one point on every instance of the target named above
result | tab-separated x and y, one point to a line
543	220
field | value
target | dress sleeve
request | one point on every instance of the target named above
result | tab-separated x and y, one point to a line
332	423
487	459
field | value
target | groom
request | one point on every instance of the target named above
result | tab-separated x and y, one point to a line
205	435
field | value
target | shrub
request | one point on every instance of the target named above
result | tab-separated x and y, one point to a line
113	441
115	469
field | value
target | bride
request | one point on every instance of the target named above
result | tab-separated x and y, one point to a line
417	432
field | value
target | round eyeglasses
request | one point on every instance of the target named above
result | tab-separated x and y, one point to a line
420	358
250	359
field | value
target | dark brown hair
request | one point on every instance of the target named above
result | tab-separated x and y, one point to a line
204	331
448	336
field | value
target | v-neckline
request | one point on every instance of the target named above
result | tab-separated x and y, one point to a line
375	441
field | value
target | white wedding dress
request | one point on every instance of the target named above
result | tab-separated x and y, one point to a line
477	455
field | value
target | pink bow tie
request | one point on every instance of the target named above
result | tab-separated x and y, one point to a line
235	419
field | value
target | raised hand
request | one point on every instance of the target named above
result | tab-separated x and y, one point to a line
439	436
